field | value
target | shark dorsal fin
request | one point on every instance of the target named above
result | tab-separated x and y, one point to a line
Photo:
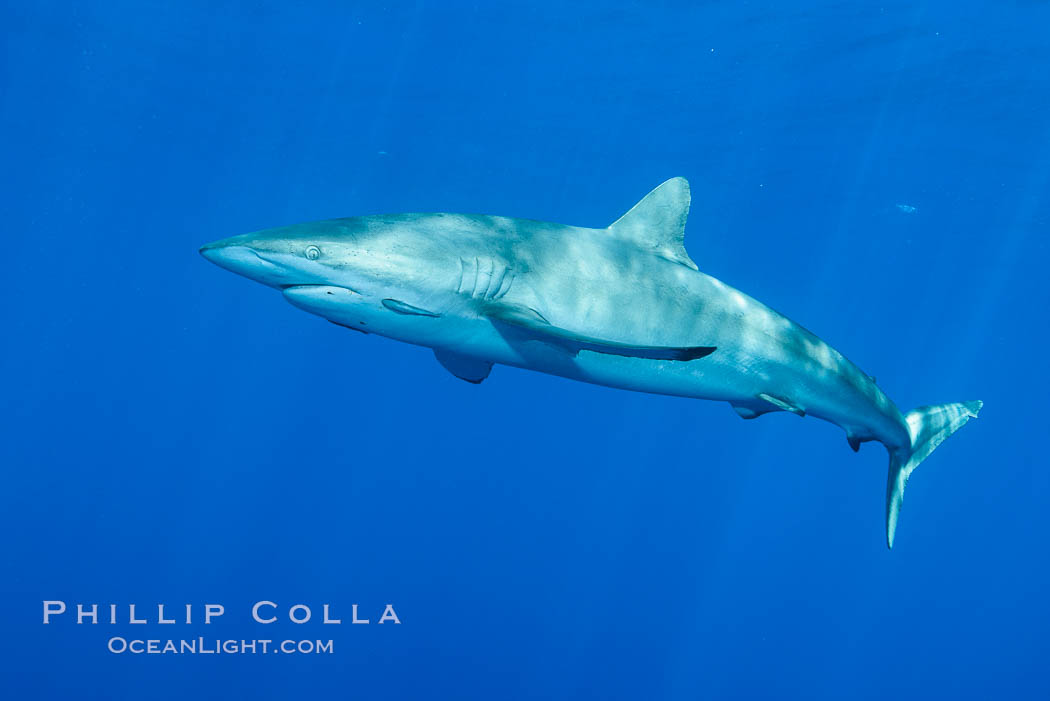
657	222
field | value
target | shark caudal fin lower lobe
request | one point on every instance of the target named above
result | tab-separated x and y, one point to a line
929	426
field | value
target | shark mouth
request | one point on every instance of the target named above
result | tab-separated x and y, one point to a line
318	298
327	289
321	297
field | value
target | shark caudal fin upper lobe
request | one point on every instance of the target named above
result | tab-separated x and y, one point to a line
929	426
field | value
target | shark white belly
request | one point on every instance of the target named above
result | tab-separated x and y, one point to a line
623	306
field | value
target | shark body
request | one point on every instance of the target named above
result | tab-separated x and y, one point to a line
623	306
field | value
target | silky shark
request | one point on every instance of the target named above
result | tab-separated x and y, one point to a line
622	306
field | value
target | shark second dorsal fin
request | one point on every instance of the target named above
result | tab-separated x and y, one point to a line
657	222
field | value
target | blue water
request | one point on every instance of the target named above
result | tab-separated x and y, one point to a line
175	434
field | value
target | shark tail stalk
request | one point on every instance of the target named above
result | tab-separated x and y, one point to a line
928	426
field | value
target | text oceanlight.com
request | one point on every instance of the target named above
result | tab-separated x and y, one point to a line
202	646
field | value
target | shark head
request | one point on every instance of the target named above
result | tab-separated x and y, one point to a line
330	267
315	253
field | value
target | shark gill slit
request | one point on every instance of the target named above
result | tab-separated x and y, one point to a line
488	280
484	278
499	285
477	269
508	278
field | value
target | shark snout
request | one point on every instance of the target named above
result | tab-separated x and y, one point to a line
235	255
226	255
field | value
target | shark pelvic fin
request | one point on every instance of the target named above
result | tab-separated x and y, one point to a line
463	366
751	410
782	404
745	412
657	222
530	322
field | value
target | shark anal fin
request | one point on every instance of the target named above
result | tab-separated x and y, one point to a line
396	305
528	320
462	366
856	437
782	404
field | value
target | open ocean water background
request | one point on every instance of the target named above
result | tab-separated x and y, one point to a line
172	433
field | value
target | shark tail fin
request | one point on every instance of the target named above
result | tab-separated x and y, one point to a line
929	426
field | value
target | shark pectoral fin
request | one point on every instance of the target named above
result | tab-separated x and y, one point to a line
462	366
396	305
519	315
657	222
528	320
782	404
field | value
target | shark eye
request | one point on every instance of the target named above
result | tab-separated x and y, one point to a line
313	252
